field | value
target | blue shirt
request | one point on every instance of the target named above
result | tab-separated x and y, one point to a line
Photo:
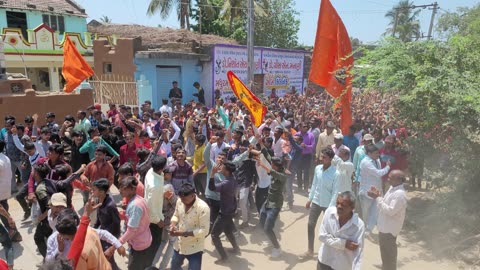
323	186
352	143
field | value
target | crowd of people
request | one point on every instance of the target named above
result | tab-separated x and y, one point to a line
185	172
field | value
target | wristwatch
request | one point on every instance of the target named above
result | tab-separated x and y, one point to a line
185	234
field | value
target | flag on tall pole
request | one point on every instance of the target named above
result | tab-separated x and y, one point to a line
332	60
75	69
253	104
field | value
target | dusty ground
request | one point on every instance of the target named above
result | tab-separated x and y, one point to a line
291	230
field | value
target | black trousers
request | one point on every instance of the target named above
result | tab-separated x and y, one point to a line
156	241
388	250
200	181
261	195
139	259
41	235
321	266
214	211
224	223
313	215
20	197
303	172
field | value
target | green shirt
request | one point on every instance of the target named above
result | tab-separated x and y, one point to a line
89	147
275	192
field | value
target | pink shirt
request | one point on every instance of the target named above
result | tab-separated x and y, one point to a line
138	234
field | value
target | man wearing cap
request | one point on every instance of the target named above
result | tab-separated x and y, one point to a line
358	157
338	144
325	139
191	223
391	215
58	202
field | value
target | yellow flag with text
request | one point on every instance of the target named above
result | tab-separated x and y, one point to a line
253	104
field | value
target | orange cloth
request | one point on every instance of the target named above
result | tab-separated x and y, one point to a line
92	257
253	104
332	60
93	172
75	68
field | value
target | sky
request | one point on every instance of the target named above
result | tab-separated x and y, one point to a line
364	19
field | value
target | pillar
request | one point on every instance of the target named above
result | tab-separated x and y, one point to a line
54	79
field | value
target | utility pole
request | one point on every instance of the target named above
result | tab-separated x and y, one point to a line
250	36
434	11
200	23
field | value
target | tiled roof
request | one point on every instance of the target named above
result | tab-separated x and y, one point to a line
54	6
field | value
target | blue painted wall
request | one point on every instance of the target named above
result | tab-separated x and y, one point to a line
74	24
188	75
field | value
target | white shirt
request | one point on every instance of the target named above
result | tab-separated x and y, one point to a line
332	252
52	243
371	174
277	147
264	179
345	171
391	210
166	109
337	150
38	146
5	177
215	150
154	195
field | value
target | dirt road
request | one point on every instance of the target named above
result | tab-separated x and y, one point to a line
291	229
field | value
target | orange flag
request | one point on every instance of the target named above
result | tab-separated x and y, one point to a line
332	60
75	68
254	105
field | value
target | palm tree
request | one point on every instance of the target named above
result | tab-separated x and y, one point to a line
404	22
164	7
233	9
105	19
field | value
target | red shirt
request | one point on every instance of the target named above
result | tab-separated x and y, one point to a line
129	154
96	171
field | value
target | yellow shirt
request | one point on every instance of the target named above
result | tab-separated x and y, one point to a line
196	220
198	159
324	140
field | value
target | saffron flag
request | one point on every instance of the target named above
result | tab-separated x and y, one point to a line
75	68
332	60
254	105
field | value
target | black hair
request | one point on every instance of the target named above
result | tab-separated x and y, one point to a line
143	133
28	119
175	147
102	184
142	153
165	101
76	133
102	128
220	134
229	166
70	118
200	138
185	190
158	163
20	127
42	170
277	162
268	140
128	182
62	171
67	222
118	131
370	148
57	148
196	84
101	148
91	130
106	122
126	169
10	122
45	130
27	146
328	151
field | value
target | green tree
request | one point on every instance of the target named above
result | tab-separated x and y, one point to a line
404	21
105	19
237	9
279	27
164	7
438	99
